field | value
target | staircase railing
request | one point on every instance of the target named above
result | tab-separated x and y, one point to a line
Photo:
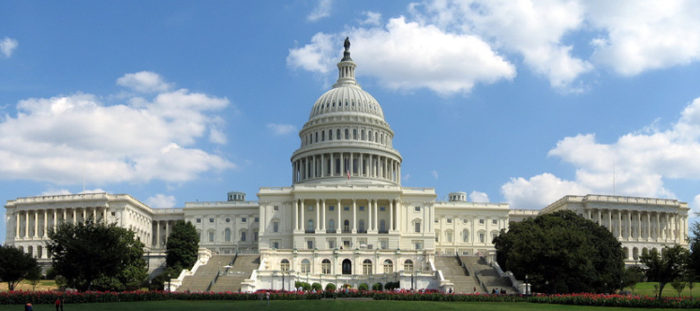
218	273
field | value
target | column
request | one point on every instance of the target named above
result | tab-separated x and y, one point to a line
369	215
294	172
398	175
313	166
342	165
46	222
648	226
323	215
157	234
619	223
352	167
36	224
55	219
17	216
639	226
391	215
354	216
600	217
167	230
84	214
317	216
339	227
658	228
104	215
296	215
26	224
376	214
303	220
332	165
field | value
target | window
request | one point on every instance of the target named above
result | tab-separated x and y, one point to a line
211	236
331	225
331	244
275	226
284	265
384	243
310	226
337	134
494	222
211	219
381	208
465	235
361	226
199	220
388	266
227	235
449	220
305	266
417	208
362	208
243	236
326	266
418	244
408	266
363	135
228	219
347	134
275	244
367	267
243	219
316	136
330	134
257	219
481	221
481	237
346	225
255	236
310	244
354	134
323	136
417	226
448	235
276	208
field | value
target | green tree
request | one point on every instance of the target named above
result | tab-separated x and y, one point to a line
667	267
34	276
632	276
15	265
182	246
694	257
97	256
562	252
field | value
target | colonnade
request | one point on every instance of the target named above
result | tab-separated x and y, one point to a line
635	225
321	208
35	224
159	240
342	163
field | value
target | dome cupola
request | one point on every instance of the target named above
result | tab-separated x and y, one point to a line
346	138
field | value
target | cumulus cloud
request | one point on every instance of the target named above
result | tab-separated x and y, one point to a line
7	46
322	10
460	43
695	205
407	55
281	129
144	82
478	196
636	164
161	201
77	138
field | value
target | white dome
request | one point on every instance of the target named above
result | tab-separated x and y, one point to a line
346	98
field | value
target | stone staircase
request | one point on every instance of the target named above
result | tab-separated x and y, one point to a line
230	280
453	271
201	279
487	274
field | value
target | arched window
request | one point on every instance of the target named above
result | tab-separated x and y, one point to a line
388	266
416	225
408	266
482	237
346	225
347	134
337	134
330	134
227	235
635	253
39	251
369	134
626	251
326	266
305	266
30	251
367	267
284	265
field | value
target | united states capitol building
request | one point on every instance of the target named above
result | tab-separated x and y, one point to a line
345	219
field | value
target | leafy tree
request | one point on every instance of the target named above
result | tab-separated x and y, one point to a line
97	256
667	267
562	252
15	265
632	276
363	286
316	286
694	259
182	246
678	285
34	276
330	287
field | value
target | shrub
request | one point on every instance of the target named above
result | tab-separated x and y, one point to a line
377	286
346	285
392	285
317	286
363	286
330	287
303	285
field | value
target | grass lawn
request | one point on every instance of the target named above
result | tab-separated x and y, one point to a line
25	285
310	305
647	288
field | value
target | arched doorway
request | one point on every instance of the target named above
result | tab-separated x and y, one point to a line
347	266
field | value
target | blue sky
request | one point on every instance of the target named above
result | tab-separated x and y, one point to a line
510	101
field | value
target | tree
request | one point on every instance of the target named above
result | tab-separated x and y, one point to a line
15	265
182	246
34	276
632	276
694	257
667	267
97	256
562	252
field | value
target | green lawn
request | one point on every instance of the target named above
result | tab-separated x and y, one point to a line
309	305
647	288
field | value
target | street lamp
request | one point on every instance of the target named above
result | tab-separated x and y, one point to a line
527	289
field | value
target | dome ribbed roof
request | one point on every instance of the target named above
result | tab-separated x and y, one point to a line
347	98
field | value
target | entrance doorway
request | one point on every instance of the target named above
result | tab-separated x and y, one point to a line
347	266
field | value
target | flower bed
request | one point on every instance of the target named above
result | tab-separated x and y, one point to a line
611	300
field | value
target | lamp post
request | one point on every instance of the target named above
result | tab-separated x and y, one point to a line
527	286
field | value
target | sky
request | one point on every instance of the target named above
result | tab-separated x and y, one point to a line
510	101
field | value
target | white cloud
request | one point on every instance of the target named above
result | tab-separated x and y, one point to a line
7	46
76	138
281	129
636	164
144	82
372	18
161	201
406	177
695	205
56	192
408	55
435	174
645	35
478	196
322	10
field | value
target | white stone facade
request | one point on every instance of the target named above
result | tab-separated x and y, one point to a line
640	224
